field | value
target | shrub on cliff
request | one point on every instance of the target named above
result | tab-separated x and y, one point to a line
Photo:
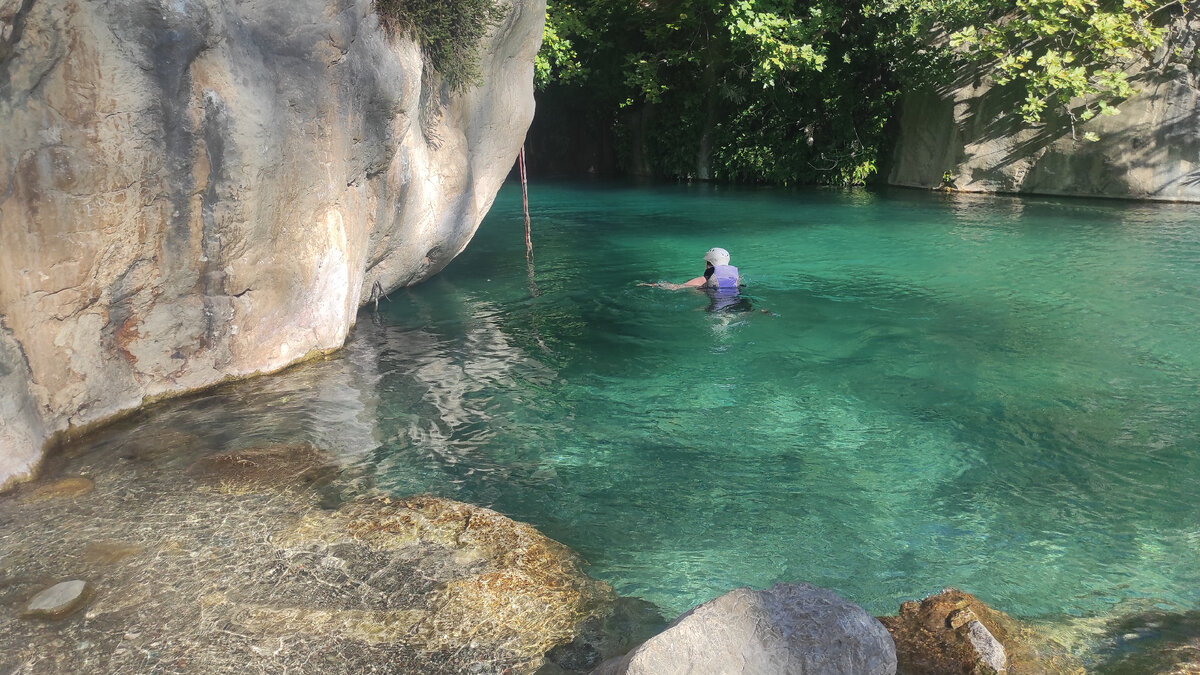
449	32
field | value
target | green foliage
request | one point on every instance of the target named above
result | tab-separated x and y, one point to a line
448	31
1059	52
802	91
752	81
557	61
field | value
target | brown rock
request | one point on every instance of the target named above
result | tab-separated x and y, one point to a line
944	633
530	595
75	486
267	466
501	585
960	617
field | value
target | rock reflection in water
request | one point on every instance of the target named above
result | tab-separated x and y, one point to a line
402	391
438	416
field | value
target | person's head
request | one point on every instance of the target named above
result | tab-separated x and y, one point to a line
716	256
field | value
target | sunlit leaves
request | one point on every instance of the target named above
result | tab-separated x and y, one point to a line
557	60
772	43
1064	52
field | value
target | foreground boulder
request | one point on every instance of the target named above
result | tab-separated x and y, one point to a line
485	582
789	628
954	632
193	191
242	575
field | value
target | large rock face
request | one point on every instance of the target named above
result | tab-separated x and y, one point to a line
192	190
1150	151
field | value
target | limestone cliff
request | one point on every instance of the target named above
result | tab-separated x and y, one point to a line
1150	151
192	190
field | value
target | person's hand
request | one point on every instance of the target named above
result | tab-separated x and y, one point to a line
646	284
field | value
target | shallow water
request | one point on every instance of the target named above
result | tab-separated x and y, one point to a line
997	394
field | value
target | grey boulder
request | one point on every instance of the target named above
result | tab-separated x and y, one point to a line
58	601
790	628
987	648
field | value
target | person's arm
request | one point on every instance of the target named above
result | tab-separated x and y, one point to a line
691	283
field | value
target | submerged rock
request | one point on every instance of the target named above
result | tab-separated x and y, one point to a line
150	447
268	466
109	552
58	601
482	581
75	486
631	622
1153	642
206	570
789	628
955	632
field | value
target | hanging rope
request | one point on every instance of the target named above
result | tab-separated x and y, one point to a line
525	203
533	289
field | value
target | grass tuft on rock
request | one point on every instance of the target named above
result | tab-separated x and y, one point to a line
448	31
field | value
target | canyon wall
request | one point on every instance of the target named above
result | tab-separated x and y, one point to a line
1151	150
196	190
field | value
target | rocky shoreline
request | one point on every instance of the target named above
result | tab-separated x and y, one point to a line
255	560
166	557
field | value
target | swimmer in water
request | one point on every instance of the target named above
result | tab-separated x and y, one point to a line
720	280
718	274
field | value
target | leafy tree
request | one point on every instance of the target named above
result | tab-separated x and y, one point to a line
780	91
1058	51
802	91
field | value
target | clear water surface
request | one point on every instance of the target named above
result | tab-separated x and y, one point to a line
993	393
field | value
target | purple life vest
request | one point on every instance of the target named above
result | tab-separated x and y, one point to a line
723	277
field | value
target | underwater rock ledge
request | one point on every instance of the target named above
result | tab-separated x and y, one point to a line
249	561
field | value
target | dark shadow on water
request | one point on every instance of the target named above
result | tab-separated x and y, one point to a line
1151	642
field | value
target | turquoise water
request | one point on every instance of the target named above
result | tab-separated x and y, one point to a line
993	393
